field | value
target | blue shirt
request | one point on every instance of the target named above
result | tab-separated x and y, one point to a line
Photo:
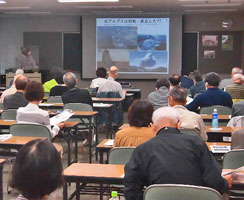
213	96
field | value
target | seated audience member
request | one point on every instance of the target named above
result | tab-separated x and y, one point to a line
17	99
213	95
48	85
186	81
189	120
172	157
37	170
238	109
74	94
139	117
111	85
236	89
199	85
101	78
228	81
174	80
160	96
32	113
10	90
18	71
59	89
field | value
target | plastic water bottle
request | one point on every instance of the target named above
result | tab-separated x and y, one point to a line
215	119
114	195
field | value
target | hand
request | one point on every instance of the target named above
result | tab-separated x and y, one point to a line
229	180
60	125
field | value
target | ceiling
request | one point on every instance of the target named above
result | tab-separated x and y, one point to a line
123	7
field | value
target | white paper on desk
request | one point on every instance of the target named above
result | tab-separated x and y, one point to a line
109	143
220	148
4	137
100	104
234	171
63	116
45	104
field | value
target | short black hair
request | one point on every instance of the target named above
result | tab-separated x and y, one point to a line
101	72
178	93
212	79
175	79
140	113
34	91
162	82
197	76
37	169
21	82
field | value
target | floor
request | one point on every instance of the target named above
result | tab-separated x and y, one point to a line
57	195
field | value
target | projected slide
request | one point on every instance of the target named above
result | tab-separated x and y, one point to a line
134	45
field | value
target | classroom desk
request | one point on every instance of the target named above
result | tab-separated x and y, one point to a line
225	118
1	178
85	173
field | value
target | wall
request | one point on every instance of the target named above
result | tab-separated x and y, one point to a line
12	28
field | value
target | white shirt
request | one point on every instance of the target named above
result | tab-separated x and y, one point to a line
9	91
33	114
96	83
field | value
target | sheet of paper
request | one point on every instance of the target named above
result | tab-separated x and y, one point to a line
100	104
220	148
61	117
4	137
234	171
109	143
46	104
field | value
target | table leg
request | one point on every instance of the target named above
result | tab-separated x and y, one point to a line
90	141
77	191
69	150
96	135
65	191
1	182
76	146
101	157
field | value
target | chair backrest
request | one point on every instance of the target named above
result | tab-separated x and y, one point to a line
32	130
237	139
108	95
222	110
233	159
237	121
120	155
178	191
9	114
78	107
55	99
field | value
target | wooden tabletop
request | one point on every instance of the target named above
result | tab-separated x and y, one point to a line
70	124
96	99
217	143
95	170
221	117
2	161
101	144
20	140
7	122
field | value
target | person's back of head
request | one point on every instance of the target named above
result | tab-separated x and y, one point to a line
162	82
165	117
19	71
21	82
113	72
70	79
174	79
212	79
101	72
197	76
177	96
140	113
34	91
37	170
238	78
236	70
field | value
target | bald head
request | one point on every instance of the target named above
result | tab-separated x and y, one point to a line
113	72
165	117
20	83
70	79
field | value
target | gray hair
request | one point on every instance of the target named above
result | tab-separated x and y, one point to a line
238	77
69	79
178	93
165	112
19	71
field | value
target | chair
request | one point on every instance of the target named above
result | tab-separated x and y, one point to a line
237	139
237	121
55	99
222	110
9	114
178	191
120	155
34	130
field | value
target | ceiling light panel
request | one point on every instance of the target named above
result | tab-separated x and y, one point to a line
212	5
87	1
2	1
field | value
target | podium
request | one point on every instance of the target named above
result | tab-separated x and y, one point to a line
31	76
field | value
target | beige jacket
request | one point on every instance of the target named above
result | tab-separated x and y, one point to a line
192	121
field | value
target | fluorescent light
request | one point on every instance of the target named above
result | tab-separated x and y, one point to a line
14	8
87	1
27	13
212	11
212	5
2	1
103	7
99	12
